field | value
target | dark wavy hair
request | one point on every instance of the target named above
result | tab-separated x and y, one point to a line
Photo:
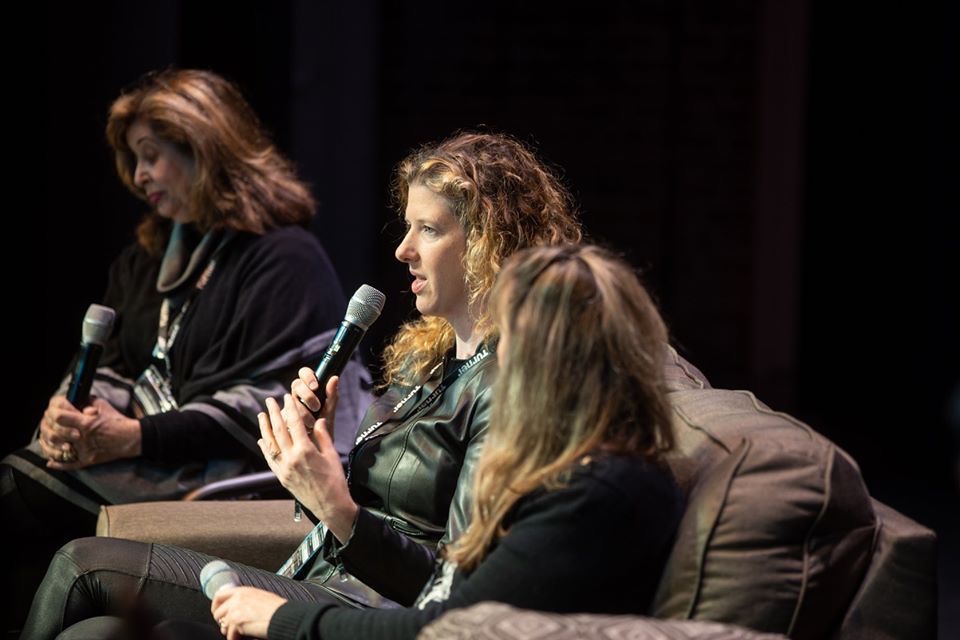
242	181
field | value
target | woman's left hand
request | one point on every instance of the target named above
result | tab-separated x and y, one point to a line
307	464
244	611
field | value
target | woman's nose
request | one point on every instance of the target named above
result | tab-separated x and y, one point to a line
140	176
405	250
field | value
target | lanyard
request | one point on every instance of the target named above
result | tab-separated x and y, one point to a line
431	399
167	332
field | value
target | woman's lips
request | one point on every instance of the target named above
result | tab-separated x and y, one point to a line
417	285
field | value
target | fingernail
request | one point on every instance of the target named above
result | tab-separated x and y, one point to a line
314	385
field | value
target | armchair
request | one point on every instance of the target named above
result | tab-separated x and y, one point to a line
780	534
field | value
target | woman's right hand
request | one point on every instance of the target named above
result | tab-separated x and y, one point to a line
304	388
60	429
244	612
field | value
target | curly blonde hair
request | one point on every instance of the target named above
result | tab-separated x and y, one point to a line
506	200
242	181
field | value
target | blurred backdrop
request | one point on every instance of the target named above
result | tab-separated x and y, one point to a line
779	170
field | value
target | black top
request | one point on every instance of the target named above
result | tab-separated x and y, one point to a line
268	295
597	545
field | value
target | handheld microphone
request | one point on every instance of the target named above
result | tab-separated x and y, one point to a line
364	308
215	575
362	311
97	325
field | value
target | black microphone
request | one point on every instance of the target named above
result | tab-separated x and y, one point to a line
97	325
364	308
215	575
362	311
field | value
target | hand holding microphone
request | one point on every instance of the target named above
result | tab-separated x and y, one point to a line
54	437
362	311
246	611
313	471
214	576
97	325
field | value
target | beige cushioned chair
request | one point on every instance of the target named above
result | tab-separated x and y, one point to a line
779	536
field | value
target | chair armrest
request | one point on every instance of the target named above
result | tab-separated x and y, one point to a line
496	621
245	485
258	533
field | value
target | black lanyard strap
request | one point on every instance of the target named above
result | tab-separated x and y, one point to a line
167	331
431	399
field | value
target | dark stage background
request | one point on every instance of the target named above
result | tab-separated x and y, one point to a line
778	170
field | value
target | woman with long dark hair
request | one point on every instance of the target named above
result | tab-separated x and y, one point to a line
214	314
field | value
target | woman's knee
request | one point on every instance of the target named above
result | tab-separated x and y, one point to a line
87	555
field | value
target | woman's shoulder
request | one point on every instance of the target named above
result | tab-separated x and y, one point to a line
284	248
291	239
473	390
134	258
623	472
617	482
486	369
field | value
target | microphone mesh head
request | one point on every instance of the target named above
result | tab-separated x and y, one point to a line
365	306
98	323
216	574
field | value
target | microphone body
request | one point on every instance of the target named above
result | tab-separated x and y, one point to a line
215	575
364	308
97	325
338	354
82	378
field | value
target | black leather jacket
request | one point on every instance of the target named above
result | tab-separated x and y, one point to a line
411	478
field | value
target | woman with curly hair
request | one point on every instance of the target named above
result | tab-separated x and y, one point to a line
574	508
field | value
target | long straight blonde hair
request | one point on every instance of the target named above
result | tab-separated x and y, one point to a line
582	348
